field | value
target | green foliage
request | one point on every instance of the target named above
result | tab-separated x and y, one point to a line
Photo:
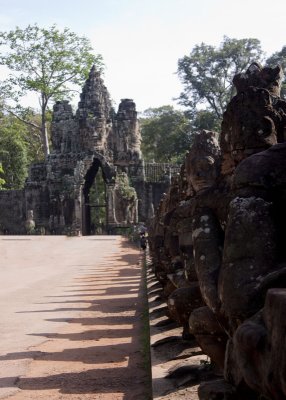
207	74
49	62
165	134
11	127
32	135
13	153
205	119
279	58
126	191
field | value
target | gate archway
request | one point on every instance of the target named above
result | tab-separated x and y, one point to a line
94	201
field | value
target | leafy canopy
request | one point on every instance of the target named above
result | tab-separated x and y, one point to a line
13	153
48	62
207	73
165	134
276	58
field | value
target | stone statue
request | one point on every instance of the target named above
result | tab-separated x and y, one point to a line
200	233
253	120
30	223
257	217
253	258
231	230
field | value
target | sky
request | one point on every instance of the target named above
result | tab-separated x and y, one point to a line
142	40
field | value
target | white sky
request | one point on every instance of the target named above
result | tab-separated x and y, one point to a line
142	40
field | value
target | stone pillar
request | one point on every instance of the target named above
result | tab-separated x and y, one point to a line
150	213
77	225
136	212
62	217
111	215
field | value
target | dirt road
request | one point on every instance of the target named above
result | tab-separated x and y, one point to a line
71	321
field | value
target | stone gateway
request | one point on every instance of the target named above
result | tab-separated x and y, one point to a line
95	142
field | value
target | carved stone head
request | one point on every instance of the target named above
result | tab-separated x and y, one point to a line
269	78
203	161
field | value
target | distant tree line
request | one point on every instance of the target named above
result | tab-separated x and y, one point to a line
206	74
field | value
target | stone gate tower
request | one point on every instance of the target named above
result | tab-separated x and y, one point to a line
94	140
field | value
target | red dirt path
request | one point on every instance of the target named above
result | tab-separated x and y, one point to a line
98	353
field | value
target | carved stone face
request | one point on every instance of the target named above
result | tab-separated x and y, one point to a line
203	161
202	173
255	117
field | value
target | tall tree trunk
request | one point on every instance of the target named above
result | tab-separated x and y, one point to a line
44	130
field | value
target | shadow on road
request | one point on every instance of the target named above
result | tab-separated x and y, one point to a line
103	333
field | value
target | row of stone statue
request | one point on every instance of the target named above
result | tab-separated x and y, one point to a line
218	241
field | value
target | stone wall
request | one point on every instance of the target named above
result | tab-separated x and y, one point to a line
12	212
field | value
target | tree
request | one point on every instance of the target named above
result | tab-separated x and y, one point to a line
165	134
205	119
207	74
48	62
279	58
13	153
31	135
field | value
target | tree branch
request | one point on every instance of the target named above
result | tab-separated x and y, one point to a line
21	119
